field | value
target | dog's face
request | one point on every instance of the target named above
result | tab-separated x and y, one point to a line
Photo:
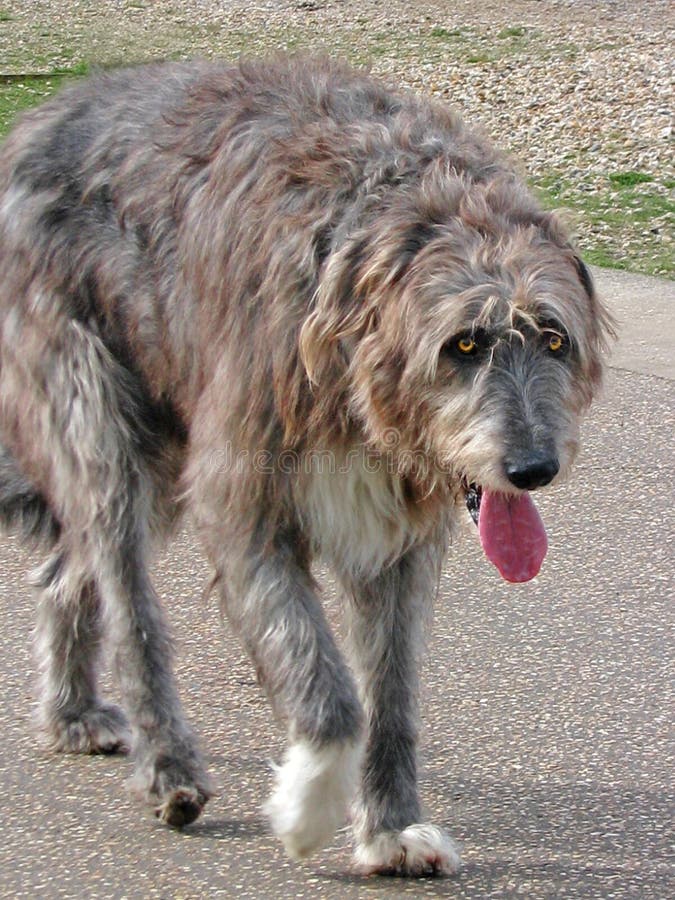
489	378
471	357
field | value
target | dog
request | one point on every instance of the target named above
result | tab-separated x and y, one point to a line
322	315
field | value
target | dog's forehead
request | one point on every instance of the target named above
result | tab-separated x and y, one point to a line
497	283
499	301
488	307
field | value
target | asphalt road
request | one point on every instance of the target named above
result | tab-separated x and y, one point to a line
549	737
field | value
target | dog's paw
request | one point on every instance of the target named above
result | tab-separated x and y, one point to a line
181	806
180	785
101	729
417	851
313	790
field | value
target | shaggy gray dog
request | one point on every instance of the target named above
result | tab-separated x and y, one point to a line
321	315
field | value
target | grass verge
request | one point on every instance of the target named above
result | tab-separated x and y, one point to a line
21	92
626	220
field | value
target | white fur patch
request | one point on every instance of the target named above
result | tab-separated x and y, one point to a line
313	790
420	849
355	512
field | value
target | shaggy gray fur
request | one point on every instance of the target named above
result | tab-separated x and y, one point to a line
211	278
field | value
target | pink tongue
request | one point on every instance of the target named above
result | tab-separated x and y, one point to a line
512	535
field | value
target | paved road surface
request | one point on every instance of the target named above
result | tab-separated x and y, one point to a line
549	742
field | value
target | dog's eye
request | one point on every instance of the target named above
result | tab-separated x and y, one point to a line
471	345
555	343
467	346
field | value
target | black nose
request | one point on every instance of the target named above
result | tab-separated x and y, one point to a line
532	472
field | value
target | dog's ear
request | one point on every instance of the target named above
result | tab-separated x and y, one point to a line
602	322
357	280
339	314
585	276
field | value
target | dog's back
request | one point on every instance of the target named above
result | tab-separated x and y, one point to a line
163	182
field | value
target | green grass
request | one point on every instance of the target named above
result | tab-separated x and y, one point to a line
630	179
626	220
517	31
19	93
470	45
447	34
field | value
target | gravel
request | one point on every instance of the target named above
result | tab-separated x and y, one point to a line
578	90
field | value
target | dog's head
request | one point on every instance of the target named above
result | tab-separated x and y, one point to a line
470	337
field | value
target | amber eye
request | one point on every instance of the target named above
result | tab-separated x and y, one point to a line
467	345
471	345
556	342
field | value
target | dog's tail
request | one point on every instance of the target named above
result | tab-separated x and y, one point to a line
23	509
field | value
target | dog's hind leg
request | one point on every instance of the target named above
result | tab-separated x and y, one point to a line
68	632
81	415
68	640
168	765
387	618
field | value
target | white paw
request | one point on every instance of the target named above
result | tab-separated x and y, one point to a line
416	851
313	790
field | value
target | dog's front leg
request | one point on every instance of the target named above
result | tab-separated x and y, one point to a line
387	618
271	601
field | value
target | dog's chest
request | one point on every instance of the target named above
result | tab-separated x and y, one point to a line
356	514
